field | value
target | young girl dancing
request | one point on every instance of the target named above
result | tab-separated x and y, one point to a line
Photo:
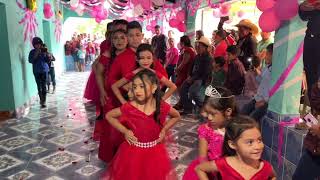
142	122
242	149
145	60
219	107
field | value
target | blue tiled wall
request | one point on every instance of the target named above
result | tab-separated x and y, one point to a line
291	148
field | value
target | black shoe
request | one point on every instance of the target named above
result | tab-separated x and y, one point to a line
100	117
43	106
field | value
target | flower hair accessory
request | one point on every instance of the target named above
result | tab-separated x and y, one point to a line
214	93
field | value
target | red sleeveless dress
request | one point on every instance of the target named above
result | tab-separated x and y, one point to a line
136	163
228	173
184	73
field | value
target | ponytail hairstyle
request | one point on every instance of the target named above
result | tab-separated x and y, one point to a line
148	75
234	128
143	47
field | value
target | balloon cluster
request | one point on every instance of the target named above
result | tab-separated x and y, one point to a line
221	10
99	13
77	7
178	21
47	10
275	11
151	26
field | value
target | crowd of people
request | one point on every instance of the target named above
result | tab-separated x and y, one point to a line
81	51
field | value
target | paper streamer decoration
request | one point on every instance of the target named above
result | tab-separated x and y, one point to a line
29	22
287	71
58	29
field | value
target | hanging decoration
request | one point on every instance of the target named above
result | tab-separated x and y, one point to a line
58	29
178	21
275	11
28	21
47	10
32	5
99	13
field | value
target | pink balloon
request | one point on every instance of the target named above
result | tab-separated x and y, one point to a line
240	14
47	11
173	22
98	20
149	28
263	5
146	4
153	23
181	27
286	9
268	21
216	13
224	10
135	2
181	15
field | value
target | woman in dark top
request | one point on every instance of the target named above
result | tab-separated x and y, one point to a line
311	55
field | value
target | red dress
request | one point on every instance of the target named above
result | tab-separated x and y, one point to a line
185	71
136	163
111	139
228	173
98	129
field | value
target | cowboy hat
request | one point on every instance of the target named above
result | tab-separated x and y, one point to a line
247	23
204	41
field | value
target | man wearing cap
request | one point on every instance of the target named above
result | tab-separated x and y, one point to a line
39	61
190	89
310	11
159	45
247	42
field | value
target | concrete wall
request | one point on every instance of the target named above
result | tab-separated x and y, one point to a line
16	77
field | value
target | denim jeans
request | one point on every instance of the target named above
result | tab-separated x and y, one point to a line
51	77
171	74
256	113
189	92
308	167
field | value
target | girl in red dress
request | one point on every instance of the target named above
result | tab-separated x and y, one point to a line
143	123
119	45
145	60
242	149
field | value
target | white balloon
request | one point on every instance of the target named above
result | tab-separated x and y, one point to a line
79	11
138	10
74	3
81	6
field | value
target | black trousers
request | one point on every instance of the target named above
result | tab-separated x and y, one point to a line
41	80
311	59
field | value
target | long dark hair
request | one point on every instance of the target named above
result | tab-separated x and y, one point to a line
226	101
234	128
143	47
113	48
151	76
185	40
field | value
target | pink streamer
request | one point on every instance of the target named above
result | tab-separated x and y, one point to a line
282	125
287	71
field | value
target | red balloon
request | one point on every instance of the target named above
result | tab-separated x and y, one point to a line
181	15
286	9
268	21
182	27
149	28
173	22
263	5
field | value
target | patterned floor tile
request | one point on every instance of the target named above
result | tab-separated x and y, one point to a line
22	175
88	170
15	142
180	169
189	139
36	150
2	134
66	139
38	115
47	132
90	146
27	127
177	151
8	162
54	178
59	160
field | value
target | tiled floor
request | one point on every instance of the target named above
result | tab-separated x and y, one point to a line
55	143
